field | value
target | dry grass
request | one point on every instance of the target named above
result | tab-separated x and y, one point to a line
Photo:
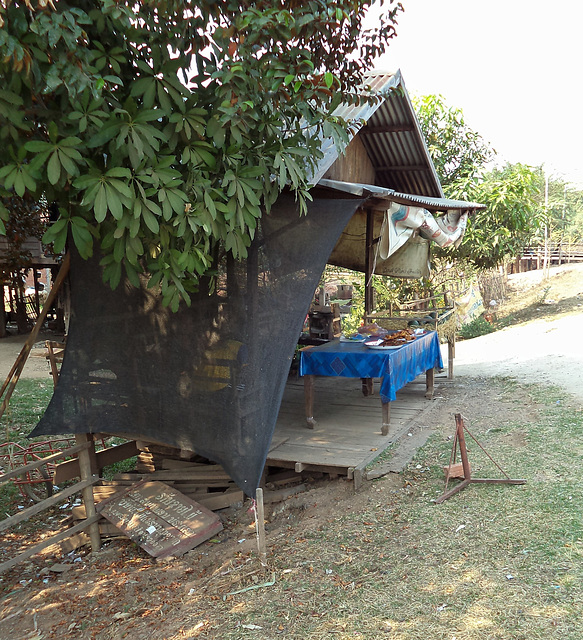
494	562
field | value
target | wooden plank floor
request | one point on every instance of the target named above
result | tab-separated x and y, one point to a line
348	430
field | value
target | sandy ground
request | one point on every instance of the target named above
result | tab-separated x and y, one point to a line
36	366
545	352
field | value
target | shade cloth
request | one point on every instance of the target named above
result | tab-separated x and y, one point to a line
210	377
396	367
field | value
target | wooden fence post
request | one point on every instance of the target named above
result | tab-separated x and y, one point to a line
88	469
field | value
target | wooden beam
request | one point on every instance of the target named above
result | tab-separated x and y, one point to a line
39	463
369	261
452	492
393	128
48	542
402	167
45	504
88	467
70	469
260	522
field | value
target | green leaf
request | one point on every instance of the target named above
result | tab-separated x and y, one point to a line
82	238
54	168
19	184
37	145
100	205
119	172
113	202
150	220
132	274
57	234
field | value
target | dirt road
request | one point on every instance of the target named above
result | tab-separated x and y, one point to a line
36	365
545	352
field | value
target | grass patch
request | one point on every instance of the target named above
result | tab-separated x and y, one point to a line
27	405
477	327
493	563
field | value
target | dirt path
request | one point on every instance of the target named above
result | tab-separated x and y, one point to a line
36	365
546	350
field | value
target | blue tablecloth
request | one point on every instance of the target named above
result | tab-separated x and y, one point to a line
396	367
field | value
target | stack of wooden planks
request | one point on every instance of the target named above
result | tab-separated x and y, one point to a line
207	484
197	478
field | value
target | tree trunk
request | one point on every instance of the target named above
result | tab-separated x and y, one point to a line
2	314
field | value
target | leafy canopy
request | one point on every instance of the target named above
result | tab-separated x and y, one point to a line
165	129
511	220
511	194
459	153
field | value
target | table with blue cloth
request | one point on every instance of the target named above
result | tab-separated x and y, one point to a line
395	367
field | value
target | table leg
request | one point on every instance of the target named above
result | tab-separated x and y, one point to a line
429	384
367	386
386	418
309	400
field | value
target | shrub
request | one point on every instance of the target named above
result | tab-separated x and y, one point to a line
477	327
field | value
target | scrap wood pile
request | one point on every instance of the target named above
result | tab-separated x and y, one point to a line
197	478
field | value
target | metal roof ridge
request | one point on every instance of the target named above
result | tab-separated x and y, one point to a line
371	190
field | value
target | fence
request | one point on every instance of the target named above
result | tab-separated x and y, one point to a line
556	254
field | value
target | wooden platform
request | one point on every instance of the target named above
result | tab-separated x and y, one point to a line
347	436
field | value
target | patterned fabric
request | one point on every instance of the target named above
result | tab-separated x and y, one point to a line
396	367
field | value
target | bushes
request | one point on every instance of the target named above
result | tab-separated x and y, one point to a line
477	327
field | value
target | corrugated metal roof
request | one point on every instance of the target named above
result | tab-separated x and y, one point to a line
392	138
432	204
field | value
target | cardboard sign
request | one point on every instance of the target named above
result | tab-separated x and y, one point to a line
160	519
469	306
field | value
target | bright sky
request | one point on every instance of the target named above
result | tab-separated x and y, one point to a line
514	67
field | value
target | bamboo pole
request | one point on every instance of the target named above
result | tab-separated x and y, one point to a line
14	375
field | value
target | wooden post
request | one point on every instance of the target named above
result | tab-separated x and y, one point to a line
462	446
36	296
369	258
429	383
88	470
309	400
386	406
2	312
260	526
367	385
450	356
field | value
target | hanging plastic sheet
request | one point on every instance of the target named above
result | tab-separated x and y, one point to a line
401	222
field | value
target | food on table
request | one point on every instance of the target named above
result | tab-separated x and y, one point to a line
397	338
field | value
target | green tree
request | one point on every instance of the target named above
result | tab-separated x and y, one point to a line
165	129
459	153
565	213
512	194
513	215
